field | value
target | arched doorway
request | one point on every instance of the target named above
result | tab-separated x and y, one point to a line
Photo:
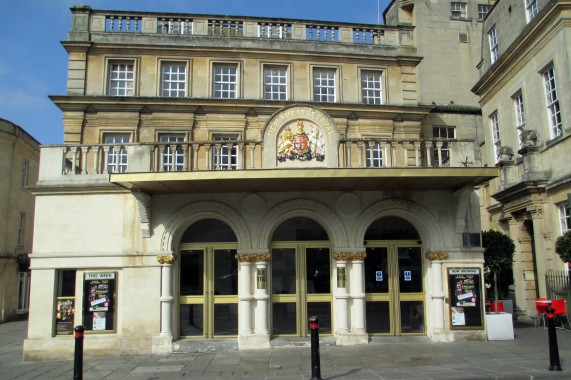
208	278
394	278
300	278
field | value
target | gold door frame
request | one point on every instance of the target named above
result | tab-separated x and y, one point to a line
394	296
301	298
208	299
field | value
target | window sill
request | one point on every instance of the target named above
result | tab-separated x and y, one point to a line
556	140
461	19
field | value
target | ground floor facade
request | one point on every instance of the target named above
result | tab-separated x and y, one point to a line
142	272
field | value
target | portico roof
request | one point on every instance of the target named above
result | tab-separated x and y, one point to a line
322	179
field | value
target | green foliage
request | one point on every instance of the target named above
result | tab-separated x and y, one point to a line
563	247
499	251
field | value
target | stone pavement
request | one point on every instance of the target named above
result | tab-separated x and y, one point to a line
526	357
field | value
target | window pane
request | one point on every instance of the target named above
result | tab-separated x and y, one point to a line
412	316
226	319
376	270
323	311
225	272
284	318
283	271
378	317
318	270
66	286
191	273
410	269
191	320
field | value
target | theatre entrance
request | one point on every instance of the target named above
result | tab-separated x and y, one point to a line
208	292
394	279
300	278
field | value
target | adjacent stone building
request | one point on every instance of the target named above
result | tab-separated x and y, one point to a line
230	176
19	157
524	86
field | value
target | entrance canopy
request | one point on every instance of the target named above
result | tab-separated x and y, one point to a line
317	179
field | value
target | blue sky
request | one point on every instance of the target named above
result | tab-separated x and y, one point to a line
33	64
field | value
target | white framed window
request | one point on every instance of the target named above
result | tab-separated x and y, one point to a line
25	171
495	128
376	154
21	228
173	159
225	81
530	9
443	133
173	80
459	10
117	155
519	113
324	85
275	82
225	158
565	218
493	41
553	110
371	87
483	10
121	78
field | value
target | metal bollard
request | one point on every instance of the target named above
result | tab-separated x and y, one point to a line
554	364
78	357
315	362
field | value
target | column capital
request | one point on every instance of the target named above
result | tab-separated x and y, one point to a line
436	255
253	257
349	256
166	259
535	211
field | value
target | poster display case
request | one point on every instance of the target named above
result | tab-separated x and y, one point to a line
99	299
464	285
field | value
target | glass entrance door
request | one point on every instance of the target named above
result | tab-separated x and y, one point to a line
208	291
301	287
394	286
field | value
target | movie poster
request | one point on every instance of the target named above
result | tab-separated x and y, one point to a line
65	313
99	301
465	298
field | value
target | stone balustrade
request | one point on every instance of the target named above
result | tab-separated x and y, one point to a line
102	159
88	22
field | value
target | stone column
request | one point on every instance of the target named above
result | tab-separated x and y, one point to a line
259	336
162	344
244	294
543	247
437	295
341	295
261	294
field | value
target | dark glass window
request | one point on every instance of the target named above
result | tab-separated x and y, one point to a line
391	228
209	231
300	229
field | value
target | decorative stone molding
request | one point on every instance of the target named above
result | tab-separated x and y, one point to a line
144	209
535	211
166	259
349	256
253	257
436	255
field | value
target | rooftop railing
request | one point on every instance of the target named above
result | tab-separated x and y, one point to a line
87	22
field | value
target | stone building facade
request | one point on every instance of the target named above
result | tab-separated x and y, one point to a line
230	176
523	87
19	153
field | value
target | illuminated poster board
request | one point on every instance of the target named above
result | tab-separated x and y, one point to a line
464	285
99	301
65	312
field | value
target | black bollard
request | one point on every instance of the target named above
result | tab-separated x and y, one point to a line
554	364
315	362
78	358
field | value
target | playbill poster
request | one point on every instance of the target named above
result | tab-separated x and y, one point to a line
65	312
99	301
464	286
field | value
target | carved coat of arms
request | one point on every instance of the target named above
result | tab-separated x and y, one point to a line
301	145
